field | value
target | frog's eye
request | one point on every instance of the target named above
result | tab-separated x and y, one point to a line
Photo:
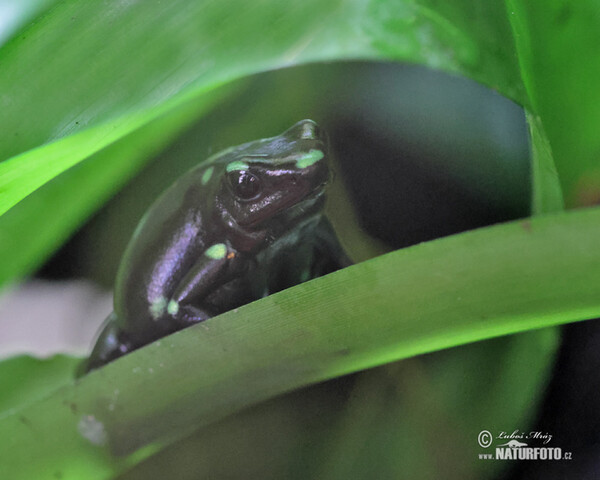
244	184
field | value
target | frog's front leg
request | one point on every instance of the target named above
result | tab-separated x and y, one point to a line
218	265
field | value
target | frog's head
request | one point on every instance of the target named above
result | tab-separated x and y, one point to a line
274	183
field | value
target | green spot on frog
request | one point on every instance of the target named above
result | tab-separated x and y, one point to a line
217	251
310	158
206	176
157	307
237	165
173	307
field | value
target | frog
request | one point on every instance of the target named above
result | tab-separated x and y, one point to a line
246	223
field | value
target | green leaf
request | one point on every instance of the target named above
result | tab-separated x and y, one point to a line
14	14
143	59
547	193
486	283
25	378
24	173
434	406
186	51
557	43
60	206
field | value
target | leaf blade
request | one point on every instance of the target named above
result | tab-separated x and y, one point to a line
481	281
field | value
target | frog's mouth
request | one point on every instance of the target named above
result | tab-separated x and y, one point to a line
309	205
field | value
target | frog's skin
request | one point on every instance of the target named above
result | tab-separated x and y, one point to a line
246	223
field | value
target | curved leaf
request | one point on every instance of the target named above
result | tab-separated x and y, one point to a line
452	291
189	48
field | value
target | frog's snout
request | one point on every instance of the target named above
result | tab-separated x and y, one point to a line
310	130
305	130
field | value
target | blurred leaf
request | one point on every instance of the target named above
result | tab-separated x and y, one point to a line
482	283
25	378
143	59
547	194
16	13
420	418
24	173
61	205
558	43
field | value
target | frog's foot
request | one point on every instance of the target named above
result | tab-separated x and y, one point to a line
111	344
186	315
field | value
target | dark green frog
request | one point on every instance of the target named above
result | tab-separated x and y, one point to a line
244	224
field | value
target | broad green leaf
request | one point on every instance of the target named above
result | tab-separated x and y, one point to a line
188	46
24	173
186	49
143	58
25	378
482	285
